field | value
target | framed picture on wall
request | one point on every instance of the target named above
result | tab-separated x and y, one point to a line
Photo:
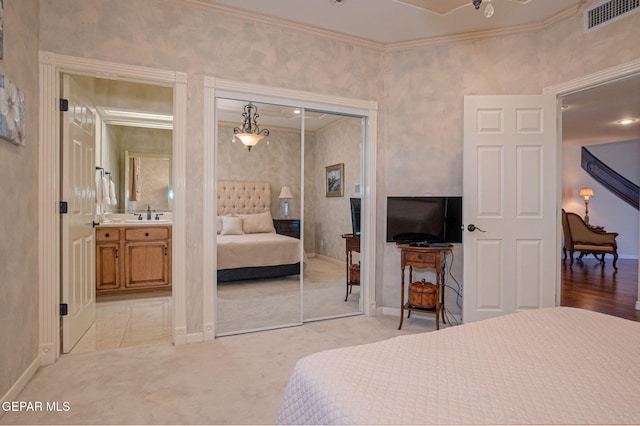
334	178
12	124
1	29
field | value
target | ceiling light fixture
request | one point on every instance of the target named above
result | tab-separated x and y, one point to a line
626	121
489	10
250	133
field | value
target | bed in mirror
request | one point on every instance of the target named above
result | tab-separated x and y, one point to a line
295	160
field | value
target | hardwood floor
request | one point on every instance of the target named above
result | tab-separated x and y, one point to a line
591	286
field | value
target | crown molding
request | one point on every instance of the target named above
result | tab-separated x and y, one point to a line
209	6
278	22
480	34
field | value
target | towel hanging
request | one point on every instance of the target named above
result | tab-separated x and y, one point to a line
105	190
112	192
99	196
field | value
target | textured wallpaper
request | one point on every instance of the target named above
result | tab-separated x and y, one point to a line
340	142
19	195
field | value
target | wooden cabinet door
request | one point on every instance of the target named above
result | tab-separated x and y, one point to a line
108	266
147	264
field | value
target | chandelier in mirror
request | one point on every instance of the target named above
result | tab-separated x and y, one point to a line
250	133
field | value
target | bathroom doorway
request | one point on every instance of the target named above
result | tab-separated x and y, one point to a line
53	304
119	269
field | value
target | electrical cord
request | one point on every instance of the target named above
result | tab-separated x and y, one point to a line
457	290
450	317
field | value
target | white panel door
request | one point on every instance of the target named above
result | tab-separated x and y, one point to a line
78	190
509	193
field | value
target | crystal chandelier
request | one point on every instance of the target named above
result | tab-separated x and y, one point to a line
250	133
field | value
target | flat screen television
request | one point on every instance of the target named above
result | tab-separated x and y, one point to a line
424	219
355	215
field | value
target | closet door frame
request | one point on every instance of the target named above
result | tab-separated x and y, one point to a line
219	88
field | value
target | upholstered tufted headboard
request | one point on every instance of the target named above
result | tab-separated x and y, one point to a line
243	197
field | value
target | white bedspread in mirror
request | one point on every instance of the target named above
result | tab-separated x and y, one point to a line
254	250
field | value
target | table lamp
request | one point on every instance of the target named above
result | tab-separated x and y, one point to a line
285	194
586	193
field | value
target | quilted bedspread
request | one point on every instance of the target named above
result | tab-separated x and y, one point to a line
548	366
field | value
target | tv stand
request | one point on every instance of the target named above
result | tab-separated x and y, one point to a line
419	244
352	244
423	257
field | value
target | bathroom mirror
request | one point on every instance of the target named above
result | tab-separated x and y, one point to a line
149	150
147	181
136	121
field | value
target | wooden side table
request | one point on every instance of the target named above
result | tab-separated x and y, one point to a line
289	227
352	244
423	257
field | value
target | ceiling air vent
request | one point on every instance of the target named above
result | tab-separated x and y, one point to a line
608	12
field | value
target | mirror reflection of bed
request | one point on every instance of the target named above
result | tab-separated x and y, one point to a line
279	291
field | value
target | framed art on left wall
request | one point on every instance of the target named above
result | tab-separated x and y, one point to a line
1	29
12	125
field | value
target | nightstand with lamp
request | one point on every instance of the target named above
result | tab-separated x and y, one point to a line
285	225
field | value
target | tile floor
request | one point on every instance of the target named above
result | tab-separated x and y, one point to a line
121	322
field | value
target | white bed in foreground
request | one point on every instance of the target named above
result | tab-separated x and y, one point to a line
548	366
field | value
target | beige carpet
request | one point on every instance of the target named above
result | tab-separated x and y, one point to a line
253	304
232	380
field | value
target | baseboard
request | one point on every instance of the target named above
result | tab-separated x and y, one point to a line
388	311
395	312
179	336
330	259
628	256
20	384
209	332
195	338
47	353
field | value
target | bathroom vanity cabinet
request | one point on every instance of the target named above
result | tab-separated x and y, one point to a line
132	258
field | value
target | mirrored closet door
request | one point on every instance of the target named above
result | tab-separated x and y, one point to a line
259	244
300	172
332	182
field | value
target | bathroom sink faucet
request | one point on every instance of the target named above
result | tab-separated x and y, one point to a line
148	211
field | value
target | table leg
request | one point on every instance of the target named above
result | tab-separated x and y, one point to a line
401	300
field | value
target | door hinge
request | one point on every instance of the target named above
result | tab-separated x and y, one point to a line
64	309
64	207
64	105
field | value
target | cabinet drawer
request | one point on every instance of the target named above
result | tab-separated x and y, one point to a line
419	259
145	234
290	227
107	234
353	244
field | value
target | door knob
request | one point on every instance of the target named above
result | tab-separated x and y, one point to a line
472	228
